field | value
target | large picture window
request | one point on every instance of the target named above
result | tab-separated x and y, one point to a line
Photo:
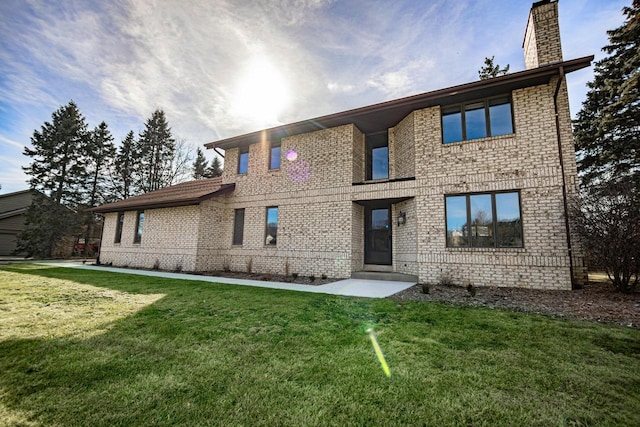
485	220
271	233
139	226
490	117
243	161
119	225
238	226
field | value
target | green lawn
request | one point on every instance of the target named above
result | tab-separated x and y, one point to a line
95	348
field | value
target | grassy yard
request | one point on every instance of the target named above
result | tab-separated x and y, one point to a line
101	349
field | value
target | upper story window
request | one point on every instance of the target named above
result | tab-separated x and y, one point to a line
271	233
119	225
137	238
274	155
377	153
479	119
243	160
487	220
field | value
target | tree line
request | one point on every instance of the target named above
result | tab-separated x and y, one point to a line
75	168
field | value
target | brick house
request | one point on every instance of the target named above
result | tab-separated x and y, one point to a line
468	184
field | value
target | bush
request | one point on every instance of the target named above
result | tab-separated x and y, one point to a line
607	220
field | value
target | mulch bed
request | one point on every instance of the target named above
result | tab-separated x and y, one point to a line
598	301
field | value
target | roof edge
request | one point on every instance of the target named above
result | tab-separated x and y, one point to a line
342	118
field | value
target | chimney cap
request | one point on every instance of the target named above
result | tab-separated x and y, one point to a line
542	3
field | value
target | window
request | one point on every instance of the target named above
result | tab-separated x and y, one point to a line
377	147
489	220
139	225
274	157
491	117
243	160
119	225
271	234
238	226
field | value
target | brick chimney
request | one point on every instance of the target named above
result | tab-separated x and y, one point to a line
542	37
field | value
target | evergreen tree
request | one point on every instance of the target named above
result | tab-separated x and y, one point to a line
200	166
156	148
123	171
58	168
215	169
58	172
607	129
100	154
489	70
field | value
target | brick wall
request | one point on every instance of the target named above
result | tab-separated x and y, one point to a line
169	239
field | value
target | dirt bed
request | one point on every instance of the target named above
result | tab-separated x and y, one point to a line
597	301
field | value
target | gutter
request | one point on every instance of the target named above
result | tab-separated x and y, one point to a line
564	181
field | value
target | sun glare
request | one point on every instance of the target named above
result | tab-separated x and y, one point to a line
261	94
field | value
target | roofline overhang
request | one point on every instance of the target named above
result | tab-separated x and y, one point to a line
114	207
379	117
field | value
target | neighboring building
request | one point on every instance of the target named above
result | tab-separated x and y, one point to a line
13	210
468	183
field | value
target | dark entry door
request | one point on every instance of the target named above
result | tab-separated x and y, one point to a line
377	237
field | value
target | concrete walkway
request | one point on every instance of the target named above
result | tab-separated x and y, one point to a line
347	287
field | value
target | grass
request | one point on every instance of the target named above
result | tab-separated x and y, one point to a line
81	347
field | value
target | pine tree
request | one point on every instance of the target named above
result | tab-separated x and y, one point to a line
200	166
58	172
100	154
489	70
215	169
607	129
156	147
123	169
58	168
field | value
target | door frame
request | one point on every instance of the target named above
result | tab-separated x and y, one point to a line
387	259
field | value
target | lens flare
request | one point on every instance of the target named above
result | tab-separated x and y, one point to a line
299	171
376	348
292	155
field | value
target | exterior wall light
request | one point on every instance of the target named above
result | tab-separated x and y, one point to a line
402	218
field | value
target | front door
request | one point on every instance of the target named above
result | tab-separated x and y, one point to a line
377	238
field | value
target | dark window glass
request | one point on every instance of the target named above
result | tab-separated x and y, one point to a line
380	163
490	220
457	221
274	159
139	225
238	226
508	223
481	221
119	226
377	147
475	120
272	226
243	162
469	121
500	117
452	125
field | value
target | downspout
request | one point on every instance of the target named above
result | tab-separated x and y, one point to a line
564	181
219	153
104	218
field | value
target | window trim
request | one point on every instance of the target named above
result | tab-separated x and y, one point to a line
494	211
119	226
236	231
275	144
459	108
266	226
242	151
137	232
